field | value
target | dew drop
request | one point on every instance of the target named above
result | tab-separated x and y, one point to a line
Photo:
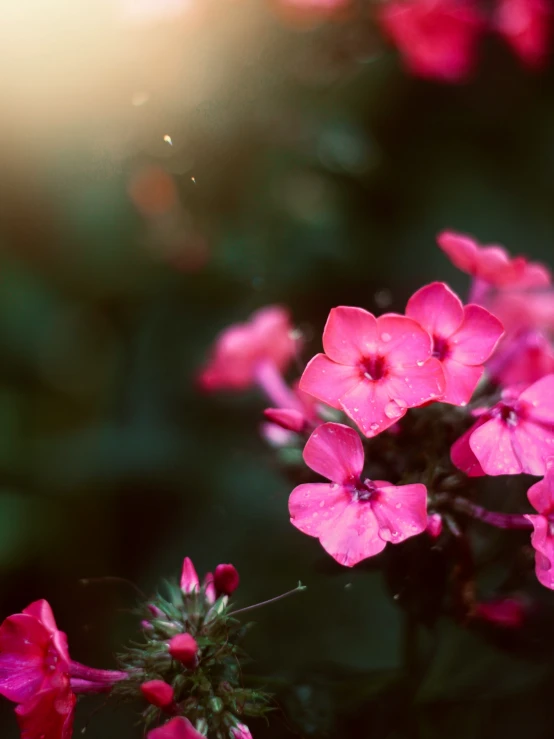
385	533
395	408
374	427
386	337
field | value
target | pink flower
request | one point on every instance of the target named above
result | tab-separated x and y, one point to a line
49	713
516	435
373	368
240	350
189	578
434	525
437	38
32	651
184	648
463	337
226	579
492	264
353	519
541	497
158	693
525	24
240	731
178	728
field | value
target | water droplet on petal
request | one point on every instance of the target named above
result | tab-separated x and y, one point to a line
386	337
374	427
420	363
395	408
385	533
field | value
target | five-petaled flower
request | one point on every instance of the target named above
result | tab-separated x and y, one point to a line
374	369
353	518
463	337
516	435
541	497
242	350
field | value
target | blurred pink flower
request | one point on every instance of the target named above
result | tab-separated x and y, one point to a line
463	337
515	436
353	519
436	38
373	368
243	350
492	264
541	497
525	24
522	359
506	612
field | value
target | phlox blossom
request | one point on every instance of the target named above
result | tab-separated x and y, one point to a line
522	359
541	497
492	264
515	436
373	369
436	38
525	24
463	337
353	518
178	728
32	651
241	350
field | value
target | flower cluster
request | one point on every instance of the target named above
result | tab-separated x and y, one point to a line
186	669
475	381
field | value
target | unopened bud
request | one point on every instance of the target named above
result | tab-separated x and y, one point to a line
189	578
226	579
434	525
240	731
184	648
209	589
158	693
288	419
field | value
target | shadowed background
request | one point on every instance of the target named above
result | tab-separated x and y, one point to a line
161	178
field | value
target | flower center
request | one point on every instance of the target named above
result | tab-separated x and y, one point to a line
507	413
374	368
363	491
441	348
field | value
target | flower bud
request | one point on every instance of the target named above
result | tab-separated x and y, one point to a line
155	611
189	578
158	693
177	728
226	579
434	525
289	419
209	589
240	731
184	648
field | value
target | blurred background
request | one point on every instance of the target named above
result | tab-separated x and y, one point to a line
166	168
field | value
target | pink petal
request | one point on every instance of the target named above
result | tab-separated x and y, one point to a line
400	511
533	444
492	445
313	505
414	386
353	535
402	340
461	250
540	398
335	451
543	543
328	381
461	382
437	309
349	334
370	406
476	339
462	455
49	713
541	494
41	610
